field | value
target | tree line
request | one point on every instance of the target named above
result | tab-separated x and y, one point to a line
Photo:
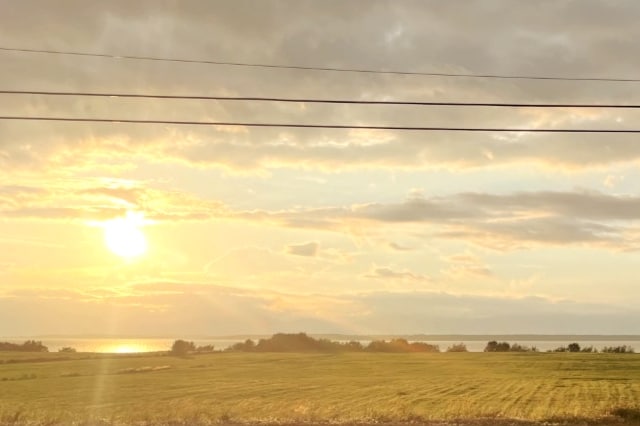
494	346
301	342
27	346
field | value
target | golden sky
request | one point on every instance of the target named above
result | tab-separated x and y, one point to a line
176	230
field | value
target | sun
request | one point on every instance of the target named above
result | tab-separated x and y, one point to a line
123	236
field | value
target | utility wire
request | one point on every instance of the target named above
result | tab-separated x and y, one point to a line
310	68
317	101
318	126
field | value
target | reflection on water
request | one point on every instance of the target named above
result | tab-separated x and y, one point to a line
125	348
113	345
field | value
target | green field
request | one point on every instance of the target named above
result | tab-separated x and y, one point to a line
316	388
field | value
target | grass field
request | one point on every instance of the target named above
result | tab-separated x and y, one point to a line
316	388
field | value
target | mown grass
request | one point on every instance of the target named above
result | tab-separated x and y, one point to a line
319	388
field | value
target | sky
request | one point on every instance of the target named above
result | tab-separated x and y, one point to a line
165	230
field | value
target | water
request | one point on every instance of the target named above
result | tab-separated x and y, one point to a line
544	345
113	345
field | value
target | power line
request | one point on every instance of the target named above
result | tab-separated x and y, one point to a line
317	101
310	68
319	126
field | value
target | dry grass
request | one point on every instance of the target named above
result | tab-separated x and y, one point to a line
437	389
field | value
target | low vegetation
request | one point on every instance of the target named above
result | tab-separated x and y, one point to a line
624	349
301	342
458	347
313	387
183	347
494	346
28	346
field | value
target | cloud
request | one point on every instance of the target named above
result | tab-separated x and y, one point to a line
398	247
461	208
386	273
467	265
612	180
500	221
244	209
524	233
101	199
309	249
183	309
504	222
584	204
385	33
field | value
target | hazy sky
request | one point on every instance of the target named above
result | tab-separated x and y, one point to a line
265	230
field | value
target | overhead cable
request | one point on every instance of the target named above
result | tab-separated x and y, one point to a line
316	68
317	101
319	126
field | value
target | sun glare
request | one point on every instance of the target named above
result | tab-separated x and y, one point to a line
127	349
124	237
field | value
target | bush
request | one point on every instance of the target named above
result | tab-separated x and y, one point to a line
28	346
67	349
494	346
521	348
353	346
573	347
457	347
246	346
400	345
623	349
300	342
205	349
182	347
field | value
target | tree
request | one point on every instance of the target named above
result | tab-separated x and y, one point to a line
353	346
573	347
516	347
246	346
67	349
457	347
182	347
205	348
623	349
28	346
494	346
